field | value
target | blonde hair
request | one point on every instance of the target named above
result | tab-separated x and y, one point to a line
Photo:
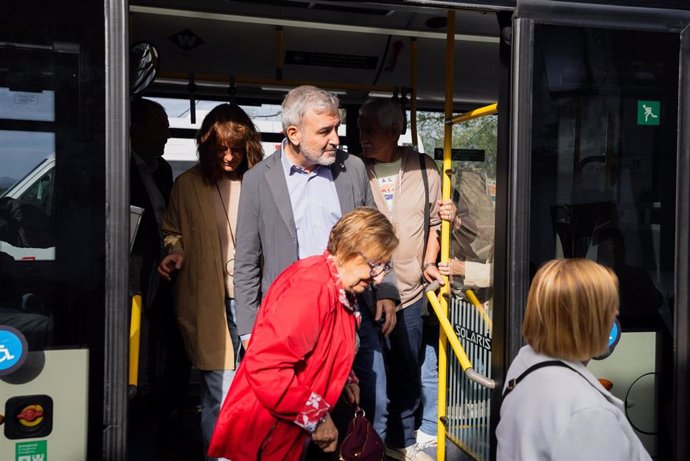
363	230
571	306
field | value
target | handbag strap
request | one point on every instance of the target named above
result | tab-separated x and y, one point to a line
548	363
427	212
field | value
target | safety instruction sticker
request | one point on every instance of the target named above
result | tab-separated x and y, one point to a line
31	451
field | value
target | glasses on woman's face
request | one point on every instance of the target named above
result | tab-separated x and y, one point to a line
376	269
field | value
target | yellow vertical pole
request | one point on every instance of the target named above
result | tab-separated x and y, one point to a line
445	232
134	336
413	96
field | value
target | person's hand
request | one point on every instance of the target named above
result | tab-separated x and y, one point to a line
326	435
446	209
387	307
432	273
457	222
170	264
452	267
352	393
245	343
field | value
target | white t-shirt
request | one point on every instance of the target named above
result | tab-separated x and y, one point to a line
387	175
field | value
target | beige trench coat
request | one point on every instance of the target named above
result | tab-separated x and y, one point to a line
189	224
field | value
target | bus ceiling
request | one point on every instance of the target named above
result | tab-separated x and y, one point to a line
257	50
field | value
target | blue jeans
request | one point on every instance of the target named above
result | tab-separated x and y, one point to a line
232	328
213	387
214	384
403	357
430	376
391	404
371	372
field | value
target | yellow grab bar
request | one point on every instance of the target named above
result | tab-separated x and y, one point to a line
476	113
454	341
134	336
471	297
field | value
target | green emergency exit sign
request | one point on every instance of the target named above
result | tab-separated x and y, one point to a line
648	112
31	451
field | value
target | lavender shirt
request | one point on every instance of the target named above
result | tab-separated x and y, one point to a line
315	205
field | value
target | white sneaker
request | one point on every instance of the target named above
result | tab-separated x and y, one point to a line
427	443
429	447
411	453
425	440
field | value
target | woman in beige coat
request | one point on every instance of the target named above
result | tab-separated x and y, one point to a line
199	228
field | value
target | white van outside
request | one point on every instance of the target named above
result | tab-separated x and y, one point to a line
36	188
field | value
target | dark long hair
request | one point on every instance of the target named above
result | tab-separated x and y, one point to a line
227	124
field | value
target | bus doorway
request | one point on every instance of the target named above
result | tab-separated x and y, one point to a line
373	50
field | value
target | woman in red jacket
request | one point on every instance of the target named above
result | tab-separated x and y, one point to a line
302	347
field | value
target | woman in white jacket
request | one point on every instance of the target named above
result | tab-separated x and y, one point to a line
553	407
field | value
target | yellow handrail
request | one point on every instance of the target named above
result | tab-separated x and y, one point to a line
454	342
441	307
476	113
471	297
134	337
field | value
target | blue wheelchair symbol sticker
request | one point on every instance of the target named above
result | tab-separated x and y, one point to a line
13	349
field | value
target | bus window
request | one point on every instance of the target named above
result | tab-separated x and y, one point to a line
474	194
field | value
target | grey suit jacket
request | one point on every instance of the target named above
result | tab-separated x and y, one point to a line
266	233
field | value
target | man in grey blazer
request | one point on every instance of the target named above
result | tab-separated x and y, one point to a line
292	198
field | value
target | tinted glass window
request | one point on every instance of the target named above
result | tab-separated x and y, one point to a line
604	148
604	131
43	181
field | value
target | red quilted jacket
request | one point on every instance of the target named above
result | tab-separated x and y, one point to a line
298	359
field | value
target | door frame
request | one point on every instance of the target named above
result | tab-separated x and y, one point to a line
682	305
116	332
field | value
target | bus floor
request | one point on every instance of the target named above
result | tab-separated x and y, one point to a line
173	435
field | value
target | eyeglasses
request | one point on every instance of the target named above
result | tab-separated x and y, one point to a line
376	269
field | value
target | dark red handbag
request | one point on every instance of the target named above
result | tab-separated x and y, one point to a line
361	442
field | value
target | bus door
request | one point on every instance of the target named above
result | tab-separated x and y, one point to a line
52	231
599	170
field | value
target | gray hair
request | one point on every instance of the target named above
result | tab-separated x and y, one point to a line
303	98
387	112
